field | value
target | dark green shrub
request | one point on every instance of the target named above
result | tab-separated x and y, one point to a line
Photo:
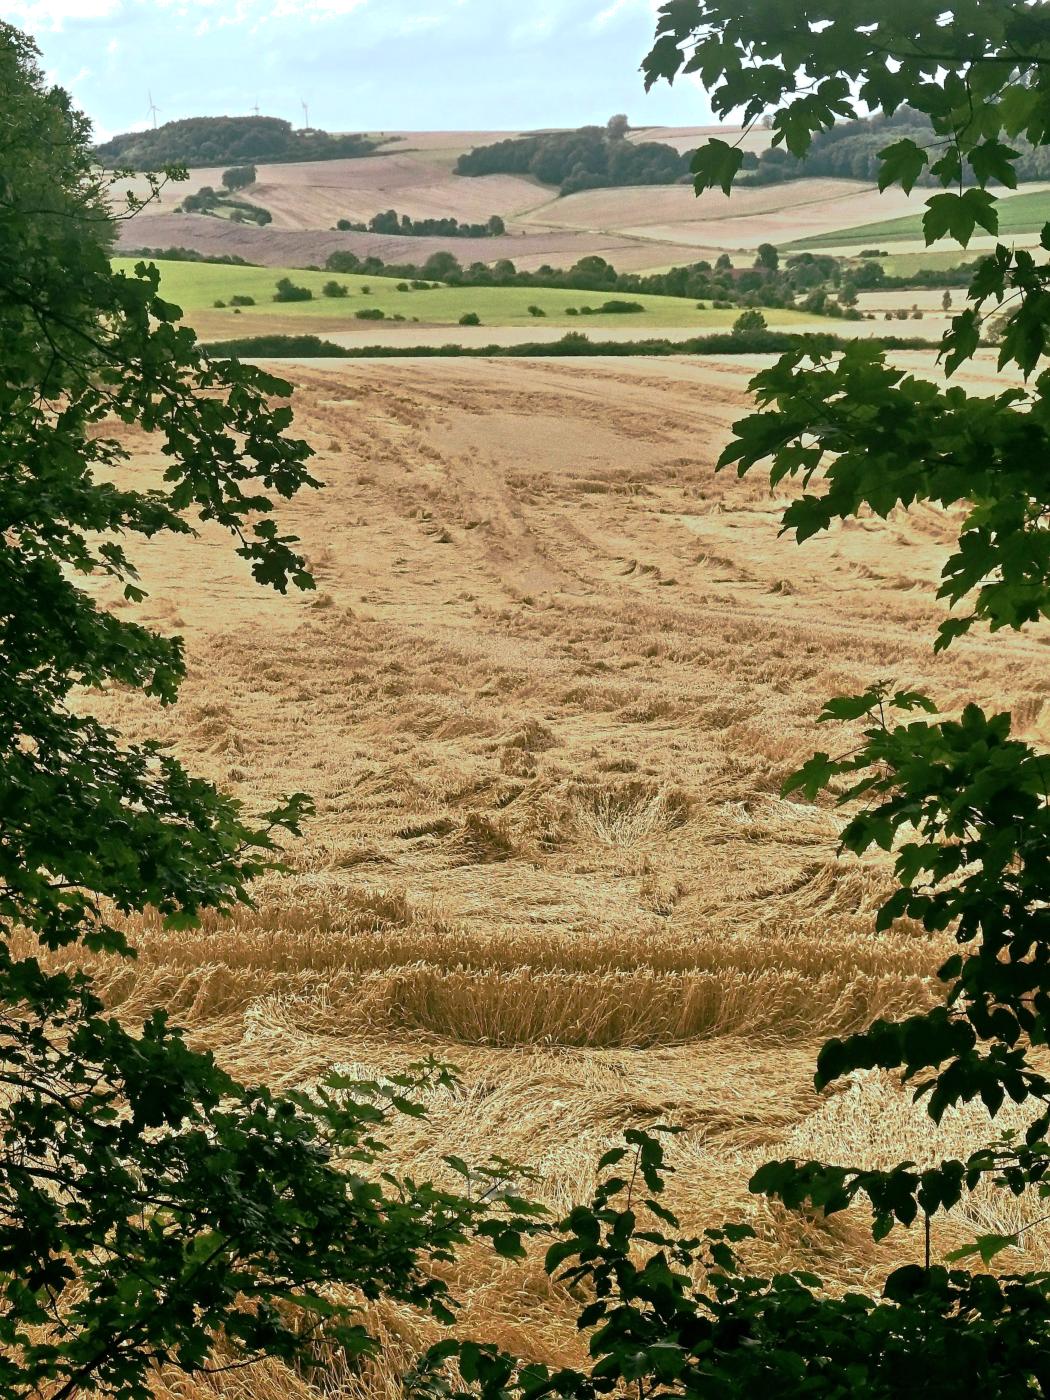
288	291
748	322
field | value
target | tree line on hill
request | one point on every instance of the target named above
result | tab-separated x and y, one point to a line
389	221
850	151
593	157
596	157
757	340
826	284
216	140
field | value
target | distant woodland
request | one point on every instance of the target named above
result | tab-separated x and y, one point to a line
594	157
196	141
849	151
390	221
597	157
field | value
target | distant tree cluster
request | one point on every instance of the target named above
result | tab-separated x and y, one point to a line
850	149
210	201
239	177
593	157
287	290
178	254
826	283
195	141
390	221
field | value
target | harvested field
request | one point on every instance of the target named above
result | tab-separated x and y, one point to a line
752	215
687	138
300	248
545	694
635	228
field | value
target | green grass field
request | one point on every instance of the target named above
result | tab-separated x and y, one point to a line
196	287
1018	213
904	264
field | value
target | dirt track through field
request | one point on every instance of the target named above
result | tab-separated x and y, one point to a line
553	675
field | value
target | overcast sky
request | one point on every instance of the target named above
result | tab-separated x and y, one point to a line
360	64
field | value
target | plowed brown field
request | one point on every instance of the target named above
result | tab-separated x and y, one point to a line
545	695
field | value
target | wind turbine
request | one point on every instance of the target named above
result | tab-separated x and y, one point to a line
153	109
306	116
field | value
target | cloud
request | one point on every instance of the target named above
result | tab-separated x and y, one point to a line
316	11
616	8
413	24
606	16
53	14
531	31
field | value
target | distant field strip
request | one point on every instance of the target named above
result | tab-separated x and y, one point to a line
197	286
1020	213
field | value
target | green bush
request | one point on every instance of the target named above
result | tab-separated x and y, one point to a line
334	289
288	291
239	300
470	318
370	313
748	322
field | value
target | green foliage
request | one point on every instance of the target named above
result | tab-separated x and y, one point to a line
749	321
593	157
960	803
287	290
767	342
177	254
391	222
206	200
152	1210
238	177
470	318
195	141
774	282
653	1332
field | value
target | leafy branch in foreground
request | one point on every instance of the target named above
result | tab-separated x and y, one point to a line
960	802
673	1315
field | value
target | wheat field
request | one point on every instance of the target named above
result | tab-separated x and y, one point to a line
545	694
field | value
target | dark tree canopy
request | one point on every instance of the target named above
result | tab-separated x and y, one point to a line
194	141
593	157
